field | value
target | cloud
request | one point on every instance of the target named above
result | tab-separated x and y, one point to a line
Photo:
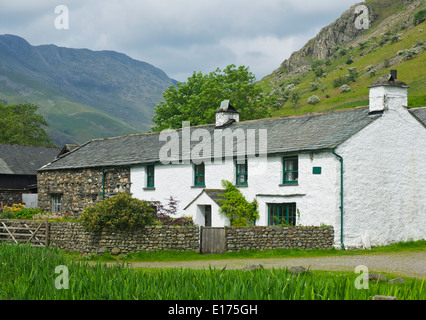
179	36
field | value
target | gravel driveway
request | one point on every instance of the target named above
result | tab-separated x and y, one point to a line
412	264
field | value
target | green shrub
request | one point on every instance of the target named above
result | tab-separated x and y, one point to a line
345	88
240	212
338	82
18	211
121	211
419	17
349	61
314	99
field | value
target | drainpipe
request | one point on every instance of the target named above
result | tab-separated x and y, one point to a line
341	196
103	184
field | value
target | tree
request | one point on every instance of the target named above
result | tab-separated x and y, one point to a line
21	124
240	212
197	99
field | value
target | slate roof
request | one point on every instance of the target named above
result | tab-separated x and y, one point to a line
309	132
214	194
420	114
25	160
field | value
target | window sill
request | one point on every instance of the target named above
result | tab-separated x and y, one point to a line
195	187
241	185
149	188
288	184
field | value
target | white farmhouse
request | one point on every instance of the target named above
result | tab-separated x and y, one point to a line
361	170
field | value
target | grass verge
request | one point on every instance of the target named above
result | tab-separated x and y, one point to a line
410	246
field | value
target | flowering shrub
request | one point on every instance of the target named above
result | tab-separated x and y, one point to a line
121	211
345	88
314	99
19	211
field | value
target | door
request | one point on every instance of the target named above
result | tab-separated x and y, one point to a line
207	216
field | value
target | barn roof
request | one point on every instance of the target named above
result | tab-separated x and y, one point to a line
310	132
25	160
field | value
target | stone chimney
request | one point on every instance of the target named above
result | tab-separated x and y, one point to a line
226	114
388	93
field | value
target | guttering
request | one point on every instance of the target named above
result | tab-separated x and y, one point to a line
341	196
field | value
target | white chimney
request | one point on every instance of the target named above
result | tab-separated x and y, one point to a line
388	93
226	114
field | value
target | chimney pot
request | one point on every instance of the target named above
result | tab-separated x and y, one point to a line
226	114
388	93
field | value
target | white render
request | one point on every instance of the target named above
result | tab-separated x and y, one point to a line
385	177
314	195
384	194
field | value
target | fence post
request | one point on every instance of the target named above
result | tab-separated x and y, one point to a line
47	233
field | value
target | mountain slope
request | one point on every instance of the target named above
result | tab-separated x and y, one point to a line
343	55
83	94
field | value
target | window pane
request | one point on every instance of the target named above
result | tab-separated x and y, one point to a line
199	174
291	169
242	176
282	213
150	176
291	176
200	180
199	169
56	203
150	181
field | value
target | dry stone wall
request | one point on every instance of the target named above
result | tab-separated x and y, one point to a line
71	236
277	237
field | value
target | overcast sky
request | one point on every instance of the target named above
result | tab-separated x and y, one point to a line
178	36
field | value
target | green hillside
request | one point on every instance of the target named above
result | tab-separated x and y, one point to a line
395	40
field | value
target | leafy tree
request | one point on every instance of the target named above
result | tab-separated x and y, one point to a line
21	124
295	97
197	99
240	212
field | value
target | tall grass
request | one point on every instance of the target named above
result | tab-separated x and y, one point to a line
29	273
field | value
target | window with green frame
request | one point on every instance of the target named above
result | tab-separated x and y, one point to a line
241	173
199	174
282	214
150	176
290	170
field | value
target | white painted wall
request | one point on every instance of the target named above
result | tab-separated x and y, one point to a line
314	195
196	211
385	178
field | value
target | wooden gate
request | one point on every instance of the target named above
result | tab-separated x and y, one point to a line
35	233
213	240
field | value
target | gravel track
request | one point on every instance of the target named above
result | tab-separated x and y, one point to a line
412	264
